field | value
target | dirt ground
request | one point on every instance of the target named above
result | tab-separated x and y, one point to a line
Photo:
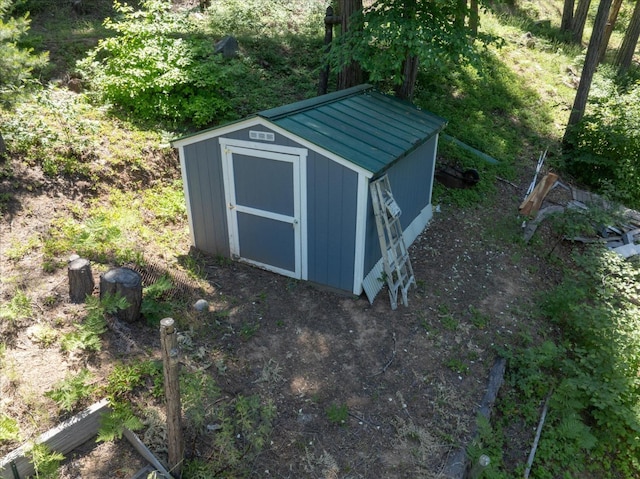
412	379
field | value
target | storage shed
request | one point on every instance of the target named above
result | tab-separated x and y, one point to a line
287	190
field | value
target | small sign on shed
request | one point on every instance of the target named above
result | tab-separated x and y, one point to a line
287	189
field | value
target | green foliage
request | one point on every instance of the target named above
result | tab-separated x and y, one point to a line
595	308
167	203
98	239
198	393
153	308
55	131
479	319
593	421
72	390
114	423
125	378
240	431
338	414
604	149
585	222
44	335
158	66
16	61
86	335
249	329
17	308
457	366
45	462
9	429
260	18
384	34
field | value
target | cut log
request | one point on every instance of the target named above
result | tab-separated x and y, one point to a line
80	280
127	283
532	203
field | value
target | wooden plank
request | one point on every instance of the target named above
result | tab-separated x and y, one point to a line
63	439
532	203
146	453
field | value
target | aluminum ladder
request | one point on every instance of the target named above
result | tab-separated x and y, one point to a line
398	271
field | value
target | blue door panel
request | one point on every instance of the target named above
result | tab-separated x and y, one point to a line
266	241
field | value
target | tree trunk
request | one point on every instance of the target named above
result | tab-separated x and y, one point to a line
329	21
613	16
567	16
627	49
409	77
579	20
127	283
80	280
461	14
589	68
474	18
351	75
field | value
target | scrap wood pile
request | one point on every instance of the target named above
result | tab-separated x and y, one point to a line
540	202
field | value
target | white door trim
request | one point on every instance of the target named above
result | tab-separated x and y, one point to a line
297	157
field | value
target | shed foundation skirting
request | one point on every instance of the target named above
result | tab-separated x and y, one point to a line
372	283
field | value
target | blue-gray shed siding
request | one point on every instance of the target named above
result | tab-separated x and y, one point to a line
411	181
205	184
331	207
331	222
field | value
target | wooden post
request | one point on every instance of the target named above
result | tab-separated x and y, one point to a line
127	283
172	394
80	280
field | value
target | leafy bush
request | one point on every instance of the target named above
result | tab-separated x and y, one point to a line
594	413
55	130
266	18
590	375
604	149
160	67
16	62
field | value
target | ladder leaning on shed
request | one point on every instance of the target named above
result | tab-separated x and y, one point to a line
395	256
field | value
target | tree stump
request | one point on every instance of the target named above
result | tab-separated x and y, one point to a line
80	280
127	283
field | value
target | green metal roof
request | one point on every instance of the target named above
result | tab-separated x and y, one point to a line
366	127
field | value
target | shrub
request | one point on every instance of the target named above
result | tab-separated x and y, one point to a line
16	62
594	413
605	147
266	18
160	67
